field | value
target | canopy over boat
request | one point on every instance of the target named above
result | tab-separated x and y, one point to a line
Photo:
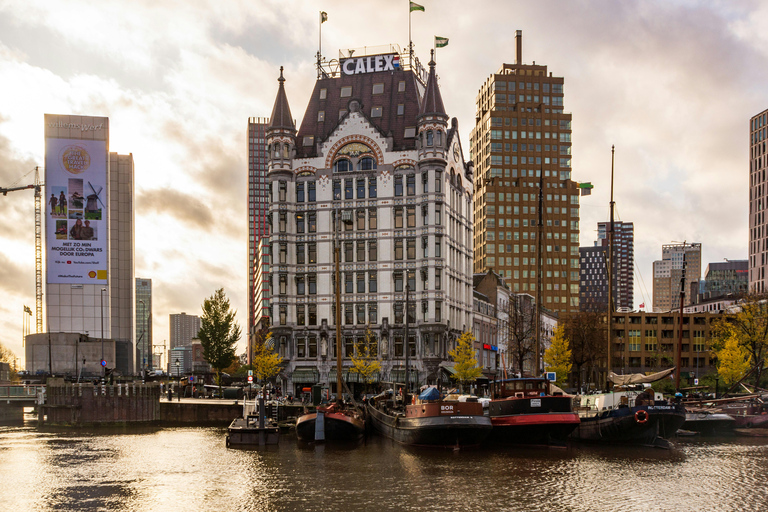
431	393
639	378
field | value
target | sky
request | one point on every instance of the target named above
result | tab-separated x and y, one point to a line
672	84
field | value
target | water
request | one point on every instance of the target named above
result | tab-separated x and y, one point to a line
190	469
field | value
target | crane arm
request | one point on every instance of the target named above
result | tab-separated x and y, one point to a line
13	189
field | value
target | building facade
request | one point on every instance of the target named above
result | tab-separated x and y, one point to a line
758	202
623	261
721	278
593	282
262	293
376	166
646	342
184	329
668	272
525	202
144	351
258	209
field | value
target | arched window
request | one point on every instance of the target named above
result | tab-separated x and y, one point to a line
430	136
439	141
286	149
277	150
366	163
342	165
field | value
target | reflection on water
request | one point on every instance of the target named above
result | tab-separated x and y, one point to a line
180	469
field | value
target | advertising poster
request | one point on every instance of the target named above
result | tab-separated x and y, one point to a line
76	211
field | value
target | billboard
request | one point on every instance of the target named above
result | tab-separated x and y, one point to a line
76	210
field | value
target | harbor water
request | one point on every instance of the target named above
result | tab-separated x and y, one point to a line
190	469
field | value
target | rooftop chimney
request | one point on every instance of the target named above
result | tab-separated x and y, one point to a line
519	45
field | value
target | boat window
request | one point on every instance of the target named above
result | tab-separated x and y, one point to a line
529	385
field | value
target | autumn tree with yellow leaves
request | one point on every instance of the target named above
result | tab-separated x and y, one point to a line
557	358
465	359
365	361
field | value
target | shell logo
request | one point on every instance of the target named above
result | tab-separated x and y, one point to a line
92	274
75	159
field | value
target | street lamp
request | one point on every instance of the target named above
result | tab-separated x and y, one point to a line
101	294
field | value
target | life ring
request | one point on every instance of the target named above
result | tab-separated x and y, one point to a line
641	416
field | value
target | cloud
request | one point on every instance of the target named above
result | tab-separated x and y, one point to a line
183	207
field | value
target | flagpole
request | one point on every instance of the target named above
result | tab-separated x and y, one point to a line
410	41
319	43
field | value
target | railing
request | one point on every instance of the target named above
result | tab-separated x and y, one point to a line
21	392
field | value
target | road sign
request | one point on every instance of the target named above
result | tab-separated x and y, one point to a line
103	362
250	378
695	382
551	376
250	373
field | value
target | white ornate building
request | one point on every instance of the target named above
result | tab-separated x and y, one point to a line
377	146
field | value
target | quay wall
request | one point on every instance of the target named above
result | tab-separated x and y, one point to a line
86	404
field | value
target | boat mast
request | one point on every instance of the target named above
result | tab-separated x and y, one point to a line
536	369
610	273
337	256
406	344
680	329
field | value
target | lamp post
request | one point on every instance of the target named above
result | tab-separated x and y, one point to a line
101	295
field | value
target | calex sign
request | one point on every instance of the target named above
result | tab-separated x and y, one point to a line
372	64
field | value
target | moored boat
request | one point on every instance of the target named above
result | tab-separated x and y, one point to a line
531	411
336	422
629	414
708	422
253	429
430	420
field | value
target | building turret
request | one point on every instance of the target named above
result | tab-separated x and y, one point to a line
432	120
281	132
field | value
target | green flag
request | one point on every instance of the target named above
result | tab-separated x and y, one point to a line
441	42
416	7
323	16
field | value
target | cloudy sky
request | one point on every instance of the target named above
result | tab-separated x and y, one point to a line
671	83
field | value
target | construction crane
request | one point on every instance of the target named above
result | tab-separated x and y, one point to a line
37	186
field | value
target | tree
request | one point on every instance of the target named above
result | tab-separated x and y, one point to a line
521	331
586	335
218	333
749	327
266	362
557	357
7	356
365	361
732	361
464	356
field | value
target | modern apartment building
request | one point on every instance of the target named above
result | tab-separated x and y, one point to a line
184	329
377	166
623	261
525	202
668	272
144	351
593	284
758	203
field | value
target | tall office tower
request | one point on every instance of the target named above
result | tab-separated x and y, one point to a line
258	207
89	235
184	329
376	165
122	257
521	146
623	261
593	282
144	350
758	202
668	271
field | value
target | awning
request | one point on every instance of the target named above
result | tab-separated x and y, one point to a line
398	375
638	378
305	376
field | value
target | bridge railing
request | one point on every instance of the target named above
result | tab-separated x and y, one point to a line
21	392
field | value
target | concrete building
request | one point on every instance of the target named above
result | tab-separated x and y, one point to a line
758	202
67	353
377	150
144	350
90	277
184	329
180	361
521	146
668	272
258	209
262	277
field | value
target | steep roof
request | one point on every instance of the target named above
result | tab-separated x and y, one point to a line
433	101
333	107
281	112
